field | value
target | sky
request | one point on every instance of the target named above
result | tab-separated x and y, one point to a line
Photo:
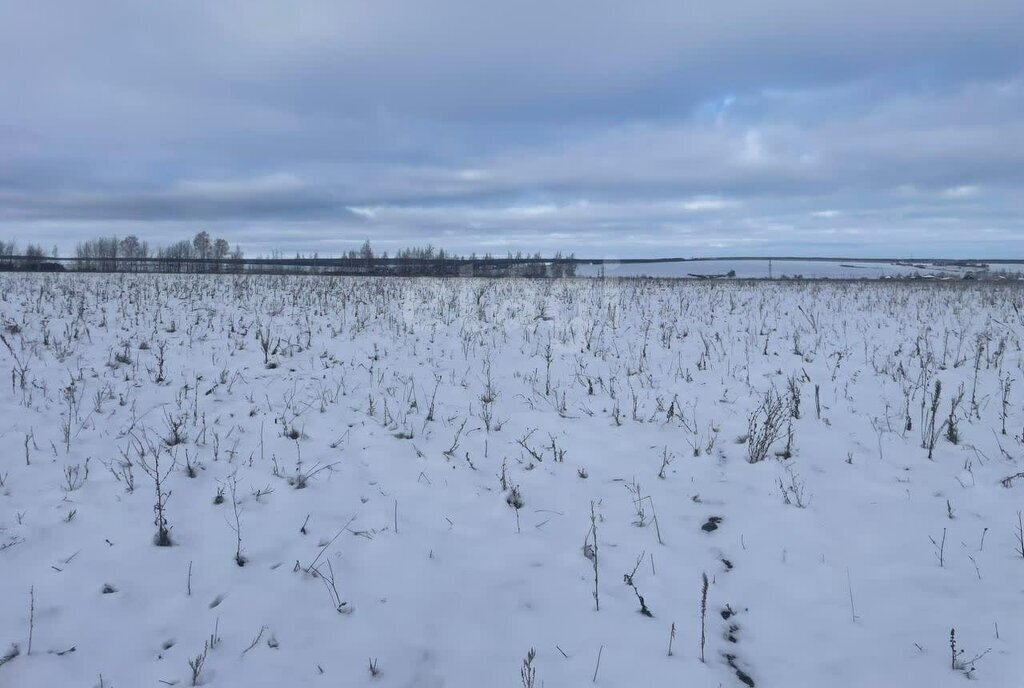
608	129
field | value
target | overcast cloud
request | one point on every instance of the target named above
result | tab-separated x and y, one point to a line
605	128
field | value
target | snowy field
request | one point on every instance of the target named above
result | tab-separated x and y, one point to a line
229	481
811	269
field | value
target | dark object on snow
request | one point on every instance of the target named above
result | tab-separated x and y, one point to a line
712	524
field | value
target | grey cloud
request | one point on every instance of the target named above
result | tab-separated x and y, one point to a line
269	198
674	127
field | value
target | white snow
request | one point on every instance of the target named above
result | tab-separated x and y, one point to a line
443	582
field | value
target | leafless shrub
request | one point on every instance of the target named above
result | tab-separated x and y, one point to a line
148	457
75	476
929	430
1019	536
958	660
793	489
196	664
175	424
765	426
528	672
628	579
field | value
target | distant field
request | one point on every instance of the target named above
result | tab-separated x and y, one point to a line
759	269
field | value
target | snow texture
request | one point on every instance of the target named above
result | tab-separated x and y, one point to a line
437	447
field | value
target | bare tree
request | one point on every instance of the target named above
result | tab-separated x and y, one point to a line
201	243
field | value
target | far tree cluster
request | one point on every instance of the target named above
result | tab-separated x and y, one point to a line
112	253
34	253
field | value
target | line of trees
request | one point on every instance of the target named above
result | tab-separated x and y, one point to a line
9	248
425	261
34	253
408	260
113	254
204	254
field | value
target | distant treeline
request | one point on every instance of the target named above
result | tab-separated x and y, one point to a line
204	254
34	258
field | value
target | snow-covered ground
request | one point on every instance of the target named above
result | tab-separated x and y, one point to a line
811	269
362	446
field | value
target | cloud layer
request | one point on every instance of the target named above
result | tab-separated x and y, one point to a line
662	128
